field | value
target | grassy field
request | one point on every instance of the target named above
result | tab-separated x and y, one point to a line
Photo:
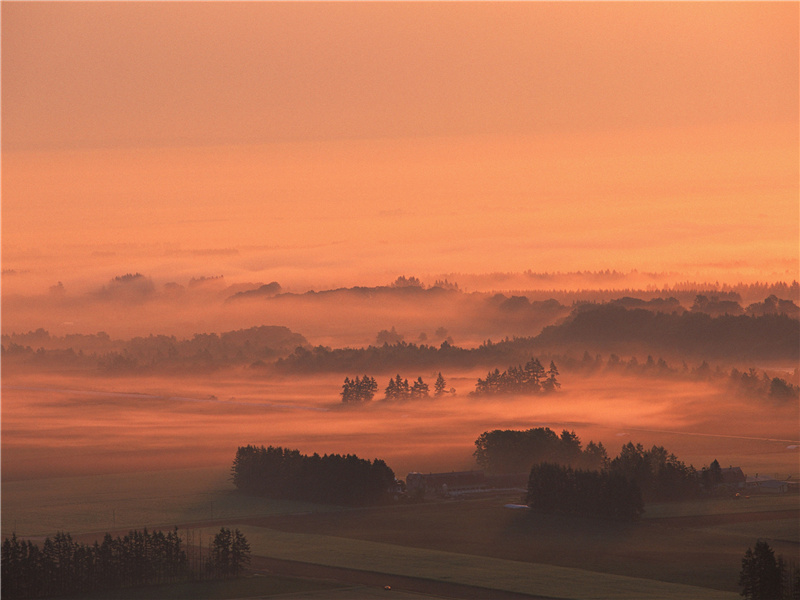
491	573
98	503
727	505
706	557
678	550
248	587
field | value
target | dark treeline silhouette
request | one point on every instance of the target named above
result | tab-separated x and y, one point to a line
359	390
751	384
530	379
690	333
513	451
765	577
64	567
230	553
695	336
658	474
556	488
330	479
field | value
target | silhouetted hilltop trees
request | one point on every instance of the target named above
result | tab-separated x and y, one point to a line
513	451
773	305
330	479
267	290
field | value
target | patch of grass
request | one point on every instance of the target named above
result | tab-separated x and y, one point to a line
260	586
99	503
784	530
547	580
716	506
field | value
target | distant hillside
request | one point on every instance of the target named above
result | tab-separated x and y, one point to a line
615	328
256	345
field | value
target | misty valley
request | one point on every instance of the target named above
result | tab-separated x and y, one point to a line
657	408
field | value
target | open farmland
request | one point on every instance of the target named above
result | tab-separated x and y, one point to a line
700	556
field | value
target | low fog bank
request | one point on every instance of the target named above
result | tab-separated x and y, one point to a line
134	304
55	426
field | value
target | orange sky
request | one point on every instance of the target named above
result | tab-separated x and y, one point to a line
352	142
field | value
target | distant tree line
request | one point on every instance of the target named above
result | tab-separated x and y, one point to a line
530	379
253	346
615	328
63	566
690	333
330	479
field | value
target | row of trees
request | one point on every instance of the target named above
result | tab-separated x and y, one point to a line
360	390
63	566
530	379
556	488
330	479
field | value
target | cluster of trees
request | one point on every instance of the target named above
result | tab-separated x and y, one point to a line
660	474
554	488
399	389
361	390
750	383
764	577
530	379
63	566
230	553
330	479
514	451
657	473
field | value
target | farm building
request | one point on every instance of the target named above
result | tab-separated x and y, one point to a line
445	483
764	484
733	477
458	482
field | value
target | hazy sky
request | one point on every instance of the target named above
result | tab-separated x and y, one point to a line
359	140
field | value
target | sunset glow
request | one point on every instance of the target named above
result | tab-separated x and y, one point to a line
540	256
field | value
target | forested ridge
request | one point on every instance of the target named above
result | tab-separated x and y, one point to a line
711	329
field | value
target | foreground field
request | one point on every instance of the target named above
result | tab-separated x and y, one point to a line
681	550
477	571
697	553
